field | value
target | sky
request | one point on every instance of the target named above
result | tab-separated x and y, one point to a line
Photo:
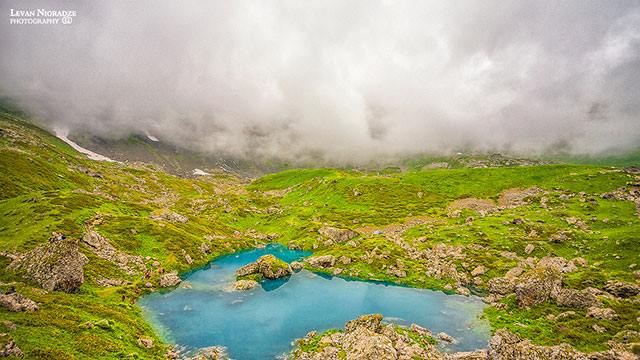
340	80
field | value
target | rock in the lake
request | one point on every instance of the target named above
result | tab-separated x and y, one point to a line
170	279
267	266
296	265
249	269
322	261
210	353
537	286
242	285
17	302
57	265
273	268
446	338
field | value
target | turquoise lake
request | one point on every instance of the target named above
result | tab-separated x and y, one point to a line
263	322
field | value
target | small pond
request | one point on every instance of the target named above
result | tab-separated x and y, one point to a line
263	322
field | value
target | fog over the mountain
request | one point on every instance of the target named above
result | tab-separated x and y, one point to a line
343	79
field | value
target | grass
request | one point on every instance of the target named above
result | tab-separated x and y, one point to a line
46	186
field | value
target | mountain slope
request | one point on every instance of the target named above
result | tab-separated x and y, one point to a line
457	230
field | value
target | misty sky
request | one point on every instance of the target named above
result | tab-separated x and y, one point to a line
341	79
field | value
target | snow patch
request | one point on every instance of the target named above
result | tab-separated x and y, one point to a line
62	135
151	137
198	172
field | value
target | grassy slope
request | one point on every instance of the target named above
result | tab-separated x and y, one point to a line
44	189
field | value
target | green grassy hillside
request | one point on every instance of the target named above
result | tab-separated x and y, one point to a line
427	228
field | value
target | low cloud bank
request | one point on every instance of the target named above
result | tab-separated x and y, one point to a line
337	80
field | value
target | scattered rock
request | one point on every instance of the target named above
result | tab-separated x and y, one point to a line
529	249
205	248
558	263
210	353
296	266
54	266
515	197
168	215
112	282
501	285
8	347
337	235
602	313
632	170
565	315
622	289
9	325
505	345
482	206
479	270
537	286
170	279
446	338
463	291
145	343
599	329
575	298
322	261
16	302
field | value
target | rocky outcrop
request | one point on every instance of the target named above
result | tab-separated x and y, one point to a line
8	347
502	285
602	313
575	298
168	215
267	266
622	289
56	265
322	261
537	286
337	235
368	338
482	206
508	346
112	282
16	302
210	353
101	246
146	343
170	279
